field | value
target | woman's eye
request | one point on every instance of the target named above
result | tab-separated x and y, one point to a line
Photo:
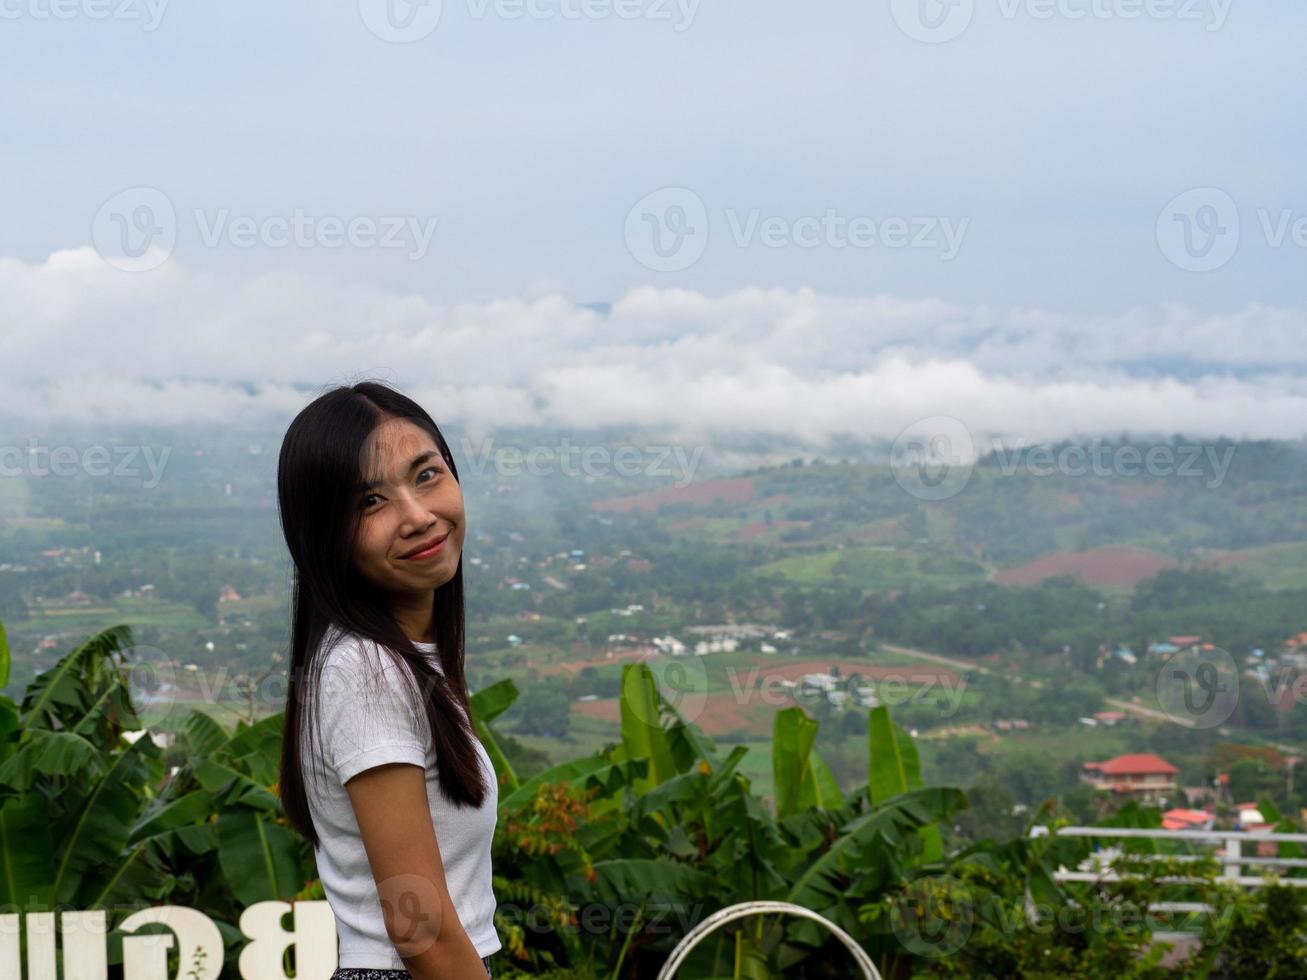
434	470
367	501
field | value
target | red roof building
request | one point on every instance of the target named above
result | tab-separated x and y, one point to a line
1142	775
1182	819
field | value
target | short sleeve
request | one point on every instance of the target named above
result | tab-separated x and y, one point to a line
369	713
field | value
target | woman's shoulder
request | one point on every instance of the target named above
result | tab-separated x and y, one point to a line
342	650
347	652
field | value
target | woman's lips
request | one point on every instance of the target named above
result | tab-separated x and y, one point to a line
430	552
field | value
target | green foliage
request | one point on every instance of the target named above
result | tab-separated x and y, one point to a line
603	863
1263	939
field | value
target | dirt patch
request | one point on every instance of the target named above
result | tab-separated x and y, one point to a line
717	714
574	667
1099	566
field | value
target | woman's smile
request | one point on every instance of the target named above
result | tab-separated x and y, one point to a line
431	550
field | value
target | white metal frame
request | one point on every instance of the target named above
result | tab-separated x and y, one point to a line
745	909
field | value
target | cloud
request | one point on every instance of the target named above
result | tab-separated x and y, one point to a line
83	341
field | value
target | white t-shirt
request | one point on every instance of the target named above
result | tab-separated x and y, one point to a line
365	724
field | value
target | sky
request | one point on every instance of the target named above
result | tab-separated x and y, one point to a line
1045	217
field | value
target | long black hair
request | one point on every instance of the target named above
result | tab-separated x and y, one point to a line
318	472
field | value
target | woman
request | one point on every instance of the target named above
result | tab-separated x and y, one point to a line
381	769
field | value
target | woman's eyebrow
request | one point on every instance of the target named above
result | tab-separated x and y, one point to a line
417	461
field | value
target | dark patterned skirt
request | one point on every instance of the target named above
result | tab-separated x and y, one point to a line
364	973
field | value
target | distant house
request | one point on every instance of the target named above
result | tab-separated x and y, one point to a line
1139	776
822	682
228	594
1183	819
1185	641
1109	717
669	644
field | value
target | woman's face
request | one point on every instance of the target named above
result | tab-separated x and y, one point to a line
413	500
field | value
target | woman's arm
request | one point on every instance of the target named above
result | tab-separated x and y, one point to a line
394	818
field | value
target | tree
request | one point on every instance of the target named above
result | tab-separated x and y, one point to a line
544	709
